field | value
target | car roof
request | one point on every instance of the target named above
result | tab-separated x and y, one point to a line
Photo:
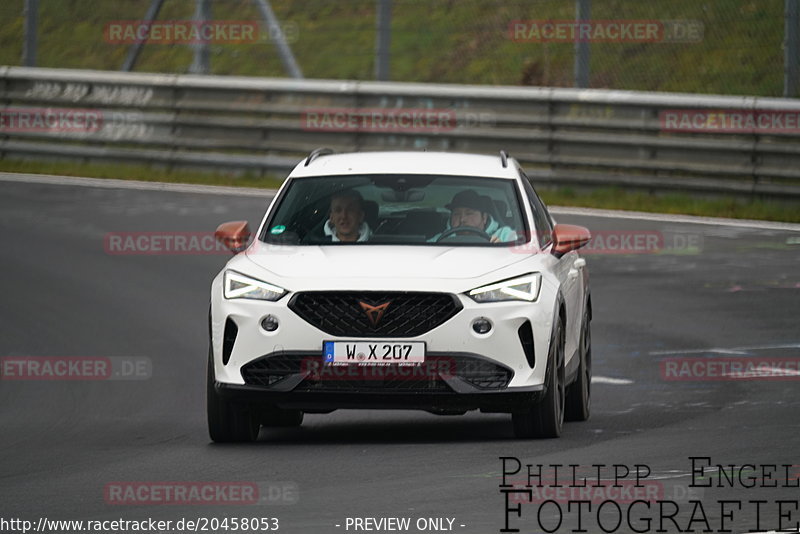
406	162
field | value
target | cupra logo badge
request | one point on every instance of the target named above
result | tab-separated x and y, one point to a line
374	313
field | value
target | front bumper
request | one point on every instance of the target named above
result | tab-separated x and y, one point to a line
502	345
506	401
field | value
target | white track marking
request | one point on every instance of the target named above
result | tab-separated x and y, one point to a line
666	217
111	183
764	372
734	350
612	381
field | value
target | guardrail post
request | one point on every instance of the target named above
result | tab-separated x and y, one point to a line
755	157
175	112
550	132
5	100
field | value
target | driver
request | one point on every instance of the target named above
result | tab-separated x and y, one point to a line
346	220
469	209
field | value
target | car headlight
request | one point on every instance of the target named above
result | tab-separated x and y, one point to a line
239	286
521	288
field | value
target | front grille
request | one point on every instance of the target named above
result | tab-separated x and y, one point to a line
347	313
390	378
427	377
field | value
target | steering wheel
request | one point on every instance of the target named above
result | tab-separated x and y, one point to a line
471	229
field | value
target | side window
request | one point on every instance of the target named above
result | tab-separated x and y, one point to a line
541	218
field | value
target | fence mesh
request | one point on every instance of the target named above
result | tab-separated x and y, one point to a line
733	46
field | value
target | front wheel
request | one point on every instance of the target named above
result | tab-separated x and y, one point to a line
546	419
579	394
228	422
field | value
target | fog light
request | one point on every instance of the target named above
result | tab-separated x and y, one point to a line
481	325
269	323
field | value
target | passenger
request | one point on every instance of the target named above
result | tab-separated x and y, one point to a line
469	209
346	219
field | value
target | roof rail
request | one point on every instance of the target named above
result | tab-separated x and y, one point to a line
321	151
504	158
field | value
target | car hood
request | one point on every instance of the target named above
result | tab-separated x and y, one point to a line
383	262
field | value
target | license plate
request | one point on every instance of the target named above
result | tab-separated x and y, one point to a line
374	352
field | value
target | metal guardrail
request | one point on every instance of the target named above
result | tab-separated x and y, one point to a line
562	136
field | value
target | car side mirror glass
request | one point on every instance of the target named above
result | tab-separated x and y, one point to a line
235	235
568	237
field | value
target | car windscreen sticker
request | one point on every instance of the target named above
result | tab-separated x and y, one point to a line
277	230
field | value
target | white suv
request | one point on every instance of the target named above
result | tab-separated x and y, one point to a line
431	281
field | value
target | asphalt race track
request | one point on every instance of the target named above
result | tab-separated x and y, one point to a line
708	291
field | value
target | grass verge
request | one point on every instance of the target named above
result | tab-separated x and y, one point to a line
676	203
605	198
140	172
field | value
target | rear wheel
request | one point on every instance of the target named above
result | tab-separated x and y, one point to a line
228	422
546	418
579	394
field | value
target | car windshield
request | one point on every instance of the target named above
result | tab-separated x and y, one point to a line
397	209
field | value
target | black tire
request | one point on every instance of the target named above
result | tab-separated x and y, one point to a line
277	417
228	422
546	418
579	394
